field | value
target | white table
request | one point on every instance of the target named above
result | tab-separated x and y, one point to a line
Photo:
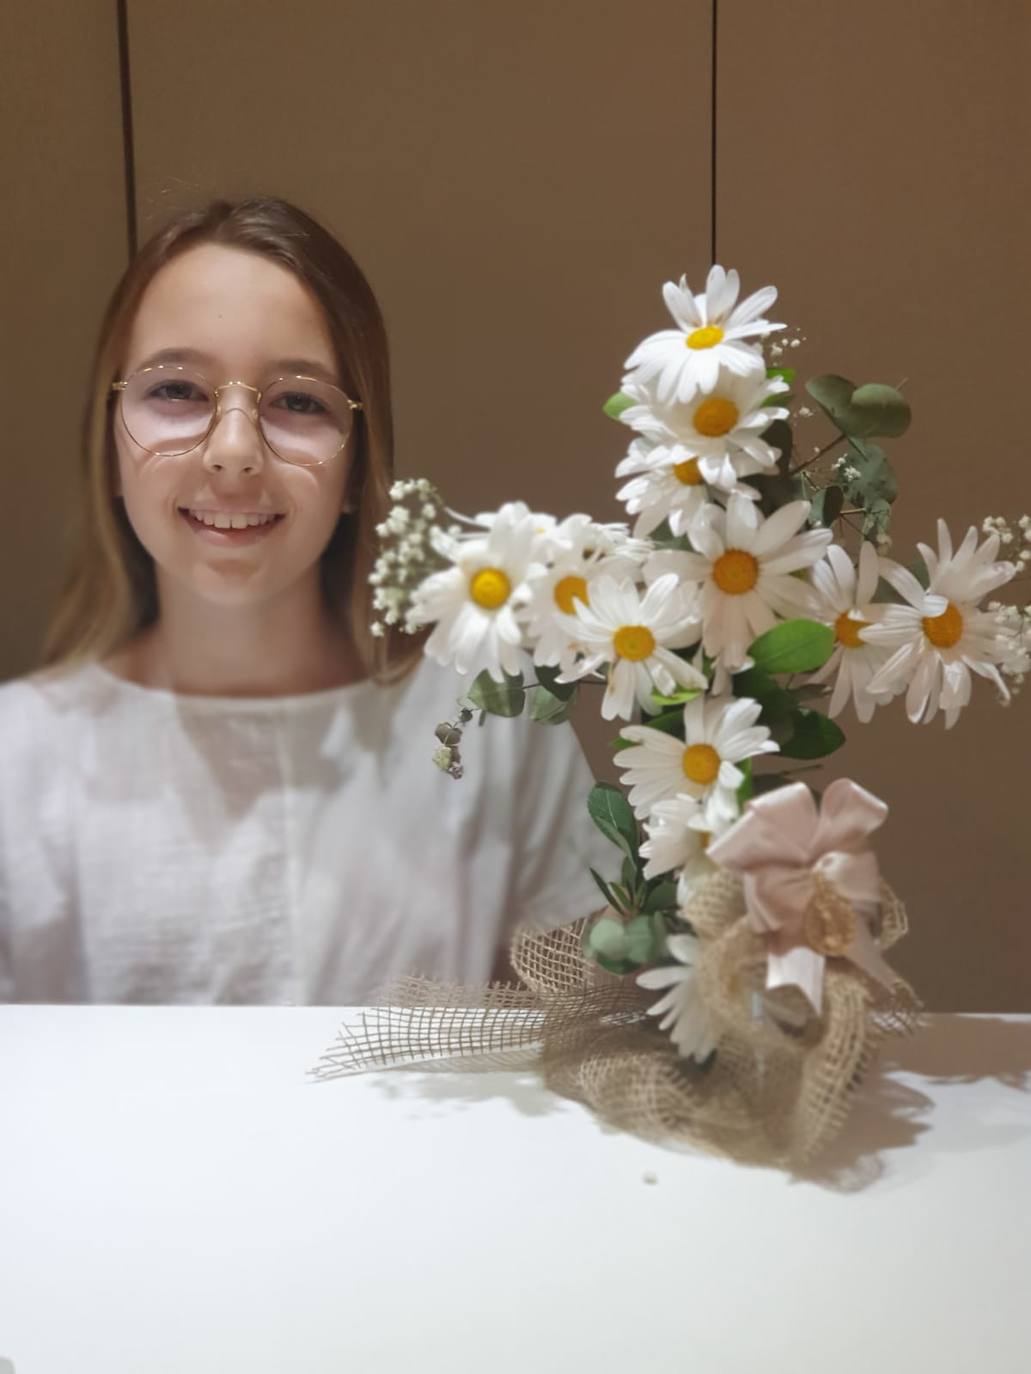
176	1195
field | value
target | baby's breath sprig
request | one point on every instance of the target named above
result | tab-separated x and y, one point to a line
409	551
1014	537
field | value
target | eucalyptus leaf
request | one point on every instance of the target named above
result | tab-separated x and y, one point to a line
549	709
875	479
548	677
499	698
640	940
793	646
861	412
885	409
622	947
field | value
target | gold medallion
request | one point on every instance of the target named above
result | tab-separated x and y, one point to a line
829	925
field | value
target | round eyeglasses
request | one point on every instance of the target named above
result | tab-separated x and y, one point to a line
169	410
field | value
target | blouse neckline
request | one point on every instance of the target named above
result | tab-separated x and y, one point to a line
291	702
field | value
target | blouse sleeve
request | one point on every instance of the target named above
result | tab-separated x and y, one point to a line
557	842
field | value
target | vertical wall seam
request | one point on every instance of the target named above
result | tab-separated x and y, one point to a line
712	121
128	148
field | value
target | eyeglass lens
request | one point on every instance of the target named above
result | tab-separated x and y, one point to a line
169	410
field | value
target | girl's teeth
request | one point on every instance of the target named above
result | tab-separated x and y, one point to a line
234	522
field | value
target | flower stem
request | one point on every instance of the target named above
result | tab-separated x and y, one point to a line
817	456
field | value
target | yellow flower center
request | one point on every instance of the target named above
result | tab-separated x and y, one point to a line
735	572
701	764
634	642
566	590
715	416
846	631
490	588
707	337
687	472
946	629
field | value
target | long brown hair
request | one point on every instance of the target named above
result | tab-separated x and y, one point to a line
110	587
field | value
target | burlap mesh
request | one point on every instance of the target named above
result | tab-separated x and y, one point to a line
776	1091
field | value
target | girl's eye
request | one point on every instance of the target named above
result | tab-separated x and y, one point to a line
174	391
300	403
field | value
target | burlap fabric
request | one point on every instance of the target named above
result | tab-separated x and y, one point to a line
776	1091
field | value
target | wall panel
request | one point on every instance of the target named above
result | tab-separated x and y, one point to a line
63	245
873	164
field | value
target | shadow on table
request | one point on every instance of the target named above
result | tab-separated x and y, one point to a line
888	1115
439	1085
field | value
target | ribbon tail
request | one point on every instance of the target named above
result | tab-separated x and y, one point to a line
800	967
864	953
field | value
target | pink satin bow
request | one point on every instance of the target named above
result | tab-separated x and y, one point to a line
810	880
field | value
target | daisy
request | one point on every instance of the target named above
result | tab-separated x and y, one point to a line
720	430
679	831
744	564
475	604
718	734
636	637
662	490
683	1007
582	551
671	490
941	636
710	333
847	604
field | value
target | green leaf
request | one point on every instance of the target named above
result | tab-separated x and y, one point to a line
777	488
548	708
613	815
662	897
793	646
861	412
776	701
814	735
780	436
606	891
678	698
669	722
499	698
616	404
786	374
919	570
746	788
629	875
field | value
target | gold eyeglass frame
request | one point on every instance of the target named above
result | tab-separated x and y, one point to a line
217	391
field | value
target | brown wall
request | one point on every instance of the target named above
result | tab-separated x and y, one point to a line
518	180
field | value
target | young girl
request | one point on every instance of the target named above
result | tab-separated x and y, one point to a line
219	787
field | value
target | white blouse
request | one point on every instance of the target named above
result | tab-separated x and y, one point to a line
157	847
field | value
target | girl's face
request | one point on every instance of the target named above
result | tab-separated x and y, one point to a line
242	315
